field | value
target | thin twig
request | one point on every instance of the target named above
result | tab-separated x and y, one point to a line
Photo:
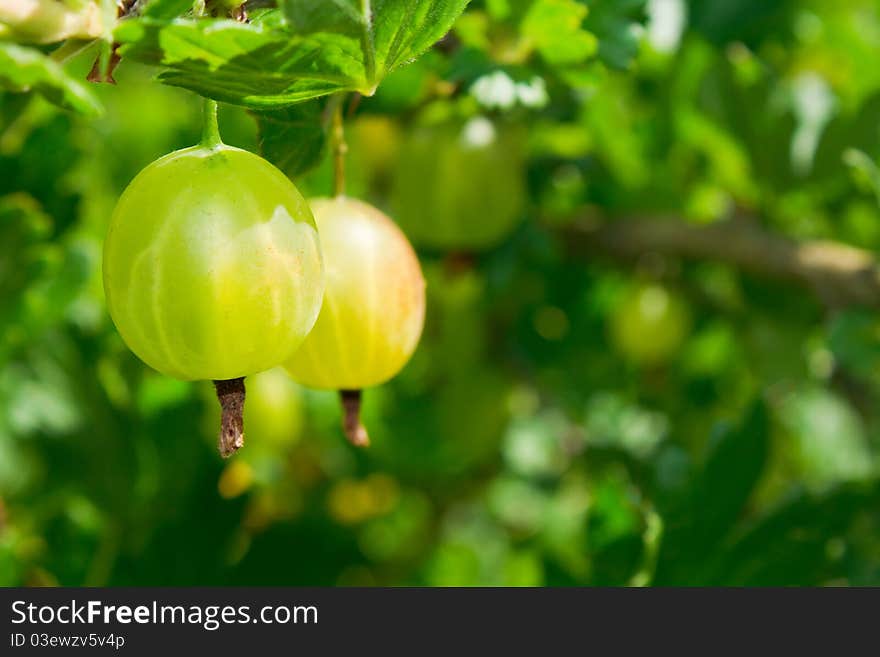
839	275
340	147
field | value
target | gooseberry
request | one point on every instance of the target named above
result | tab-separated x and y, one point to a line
212	269
459	186
374	306
649	325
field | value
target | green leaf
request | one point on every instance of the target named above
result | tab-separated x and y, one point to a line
389	33
25	69
293	138
243	64
328	46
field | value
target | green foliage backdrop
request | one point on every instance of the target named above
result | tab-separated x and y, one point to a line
716	157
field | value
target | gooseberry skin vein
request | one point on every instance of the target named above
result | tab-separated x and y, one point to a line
212	267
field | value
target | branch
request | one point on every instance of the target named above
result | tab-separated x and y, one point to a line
839	275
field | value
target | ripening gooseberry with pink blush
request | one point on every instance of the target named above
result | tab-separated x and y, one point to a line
374	305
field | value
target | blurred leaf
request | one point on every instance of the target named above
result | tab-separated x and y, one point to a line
523	569
25	69
863	166
27	260
554	27
401	534
804	542
536	447
40	397
517	503
733	466
847	135
723	21
612	421
854	339
613	514
716	499
612	21
830	441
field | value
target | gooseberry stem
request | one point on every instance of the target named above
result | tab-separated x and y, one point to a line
351	418
340	147
230	394
210	128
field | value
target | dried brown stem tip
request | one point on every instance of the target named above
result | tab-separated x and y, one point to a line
351	418
97	75
230	393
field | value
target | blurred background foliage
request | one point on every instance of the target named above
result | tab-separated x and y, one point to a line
568	419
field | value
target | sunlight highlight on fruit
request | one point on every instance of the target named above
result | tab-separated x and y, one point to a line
374	305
